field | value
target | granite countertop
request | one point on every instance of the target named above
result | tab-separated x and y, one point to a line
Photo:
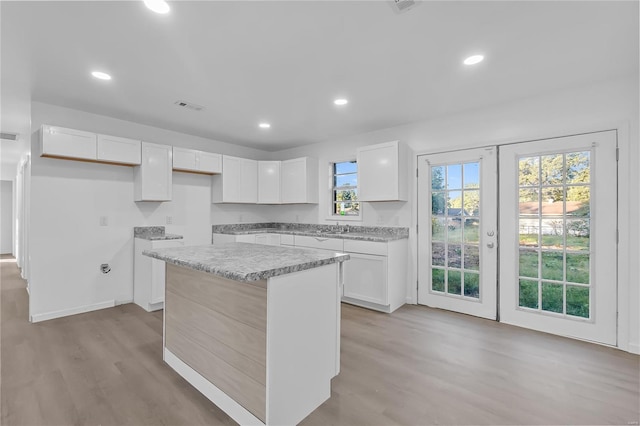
363	233
153	233
246	262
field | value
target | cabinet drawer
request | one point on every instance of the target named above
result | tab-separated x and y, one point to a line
286	240
366	247
319	242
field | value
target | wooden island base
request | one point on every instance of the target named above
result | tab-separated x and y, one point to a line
263	351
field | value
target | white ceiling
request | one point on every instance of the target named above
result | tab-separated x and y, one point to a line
285	62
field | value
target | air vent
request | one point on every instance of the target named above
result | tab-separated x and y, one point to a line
400	6
6	136
189	105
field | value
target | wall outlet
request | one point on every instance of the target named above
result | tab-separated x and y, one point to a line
169	220
104	221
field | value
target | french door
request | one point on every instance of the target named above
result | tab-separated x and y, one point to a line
557	234
458	231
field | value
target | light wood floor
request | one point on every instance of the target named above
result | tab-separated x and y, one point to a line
418	366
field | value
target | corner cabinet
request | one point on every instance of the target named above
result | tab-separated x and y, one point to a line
238	182
299	181
153	177
192	161
269	182
382	172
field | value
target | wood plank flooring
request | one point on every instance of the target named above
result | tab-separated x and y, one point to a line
417	366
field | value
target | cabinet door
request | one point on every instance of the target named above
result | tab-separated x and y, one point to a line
184	159
268	182
230	179
380	177
293	174
154	175
67	143
208	162
365	278
119	150
247	238
248	181
262	239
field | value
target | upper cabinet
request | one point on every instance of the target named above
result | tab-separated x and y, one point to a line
382	172
153	177
269	182
112	149
60	142
67	143
299	181
190	160
238	182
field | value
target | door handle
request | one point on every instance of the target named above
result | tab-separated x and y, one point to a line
490	233
490	245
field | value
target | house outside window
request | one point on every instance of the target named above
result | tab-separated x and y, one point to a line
344	190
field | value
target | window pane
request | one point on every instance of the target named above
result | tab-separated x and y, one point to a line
471	201
578	301
455	255
578	268
437	279
528	203
346	167
578	234
471	285
454	176
454	282
552	169
528	294
528	229
438	228
471	175
552	233
472	231
552	265
346	209
437	254
471	257
345	180
552	299
346	195
437	178
437	203
578	167
454	203
528	263
528	171
578	201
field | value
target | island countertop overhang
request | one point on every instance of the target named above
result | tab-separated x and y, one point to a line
246	262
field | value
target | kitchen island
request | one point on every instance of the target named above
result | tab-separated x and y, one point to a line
255	328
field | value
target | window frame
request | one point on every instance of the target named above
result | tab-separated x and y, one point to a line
330	208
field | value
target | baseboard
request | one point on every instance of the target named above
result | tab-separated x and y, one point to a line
634	348
212	392
73	311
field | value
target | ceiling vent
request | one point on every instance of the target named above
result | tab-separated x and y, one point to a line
7	136
401	6
189	105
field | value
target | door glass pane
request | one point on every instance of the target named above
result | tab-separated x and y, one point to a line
554	233
455	229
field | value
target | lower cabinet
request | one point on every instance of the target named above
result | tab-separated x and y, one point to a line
365	278
269	239
149	274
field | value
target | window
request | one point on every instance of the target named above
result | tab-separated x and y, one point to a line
345	190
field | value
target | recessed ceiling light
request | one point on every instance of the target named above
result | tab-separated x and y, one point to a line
101	75
472	60
264	125
341	101
158	6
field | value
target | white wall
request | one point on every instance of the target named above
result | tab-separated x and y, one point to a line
67	244
606	105
6	217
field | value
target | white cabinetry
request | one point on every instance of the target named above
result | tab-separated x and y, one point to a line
149	274
153	178
112	149
238	182
268	239
61	142
259	238
269	182
190	160
333	244
299	179
382	172
376	275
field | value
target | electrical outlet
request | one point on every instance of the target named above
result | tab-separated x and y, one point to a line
104	221
169	220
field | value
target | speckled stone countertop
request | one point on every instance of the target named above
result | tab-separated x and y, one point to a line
349	232
153	233
246	262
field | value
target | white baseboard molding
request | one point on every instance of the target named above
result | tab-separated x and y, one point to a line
73	311
236	411
634	348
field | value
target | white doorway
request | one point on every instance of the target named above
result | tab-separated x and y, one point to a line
557	234
6	217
